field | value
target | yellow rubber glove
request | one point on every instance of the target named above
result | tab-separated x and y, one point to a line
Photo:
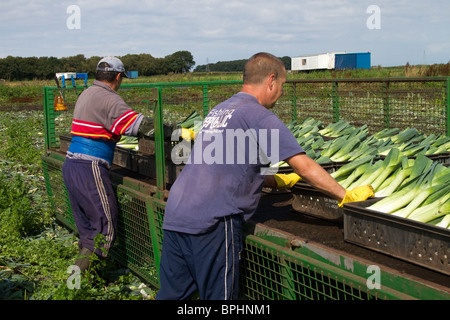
187	134
357	194
286	181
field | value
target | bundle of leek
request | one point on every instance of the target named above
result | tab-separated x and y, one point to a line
367	170
440	144
128	142
306	128
339	128
424	197
348	147
192	122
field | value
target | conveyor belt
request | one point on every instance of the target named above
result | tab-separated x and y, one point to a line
275	211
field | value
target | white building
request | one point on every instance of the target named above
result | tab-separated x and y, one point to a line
313	62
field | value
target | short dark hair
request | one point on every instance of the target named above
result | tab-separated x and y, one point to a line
260	66
107	76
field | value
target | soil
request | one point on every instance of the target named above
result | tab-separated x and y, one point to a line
275	211
21	108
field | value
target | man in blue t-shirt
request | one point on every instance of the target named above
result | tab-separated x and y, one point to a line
220	186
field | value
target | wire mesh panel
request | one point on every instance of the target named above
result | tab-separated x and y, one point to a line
313	283
312	99
134	246
219	92
362	103
57	192
260	275
57	122
421	103
179	100
271	272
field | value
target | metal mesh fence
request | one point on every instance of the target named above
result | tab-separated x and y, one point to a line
421	103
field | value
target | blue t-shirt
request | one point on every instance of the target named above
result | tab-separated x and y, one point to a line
225	172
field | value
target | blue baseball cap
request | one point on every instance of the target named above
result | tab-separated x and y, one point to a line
113	64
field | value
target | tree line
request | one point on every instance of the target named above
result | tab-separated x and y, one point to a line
234	66
41	68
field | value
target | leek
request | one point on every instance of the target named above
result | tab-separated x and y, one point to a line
445	222
335	146
354	175
404	201
305	130
386	133
349	167
421	165
333	129
440	209
432	202
344	153
387	169
441	140
370	170
386	183
363	151
191	120
128	142
419	198
405	136
323	159
280	164
404	196
408	172
376	176
389	186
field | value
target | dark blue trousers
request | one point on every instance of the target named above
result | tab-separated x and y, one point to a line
207	263
93	202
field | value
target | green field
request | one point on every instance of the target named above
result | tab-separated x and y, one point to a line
21	94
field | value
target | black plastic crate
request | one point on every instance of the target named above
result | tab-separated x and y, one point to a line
308	200
416	242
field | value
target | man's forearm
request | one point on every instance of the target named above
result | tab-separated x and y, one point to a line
316	176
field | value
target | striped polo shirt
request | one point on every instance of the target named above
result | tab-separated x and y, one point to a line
100	113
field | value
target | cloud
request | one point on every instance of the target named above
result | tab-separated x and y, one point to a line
226	30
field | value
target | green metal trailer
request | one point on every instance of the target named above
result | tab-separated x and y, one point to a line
287	255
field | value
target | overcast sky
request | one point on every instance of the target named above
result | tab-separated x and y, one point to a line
395	32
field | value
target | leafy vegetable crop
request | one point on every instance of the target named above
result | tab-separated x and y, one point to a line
35	252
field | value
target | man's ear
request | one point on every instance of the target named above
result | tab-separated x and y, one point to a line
270	81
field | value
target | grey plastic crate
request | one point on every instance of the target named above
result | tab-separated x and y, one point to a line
416	242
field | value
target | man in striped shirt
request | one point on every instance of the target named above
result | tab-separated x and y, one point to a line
100	118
